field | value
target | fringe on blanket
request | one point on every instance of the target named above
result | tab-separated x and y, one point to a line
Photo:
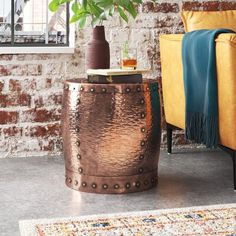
202	129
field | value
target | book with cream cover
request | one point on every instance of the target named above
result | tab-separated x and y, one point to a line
116	71
115	75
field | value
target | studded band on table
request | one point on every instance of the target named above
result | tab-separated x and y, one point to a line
116	186
127	89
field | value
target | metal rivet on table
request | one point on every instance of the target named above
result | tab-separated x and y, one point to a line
78	101
78	143
92	90
142	143
84	184
78	156
105	186
80	170
81	88
104	90
142	101
70	180
77	130
138	89
140	170
141	157
116	186
76	182
128	185
94	185
127	90
143	129
142	115
137	184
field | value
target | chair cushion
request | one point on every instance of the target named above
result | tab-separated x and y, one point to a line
195	20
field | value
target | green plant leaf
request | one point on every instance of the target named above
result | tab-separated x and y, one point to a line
95	21
95	10
82	21
111	11
54	5
98	10
105	14
84	3
75	7
79	16
131	9
122	14
64	1
138	1
104	3
123	3
74	18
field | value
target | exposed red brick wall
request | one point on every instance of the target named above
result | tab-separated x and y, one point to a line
31	85
209	5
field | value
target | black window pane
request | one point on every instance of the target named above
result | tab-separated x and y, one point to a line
33	24
5	22
57	26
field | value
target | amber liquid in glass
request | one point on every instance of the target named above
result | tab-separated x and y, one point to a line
129	63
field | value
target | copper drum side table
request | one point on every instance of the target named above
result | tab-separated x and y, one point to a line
111	136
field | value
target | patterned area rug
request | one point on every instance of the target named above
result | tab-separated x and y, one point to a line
207	220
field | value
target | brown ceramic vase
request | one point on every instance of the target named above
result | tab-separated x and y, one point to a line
98	51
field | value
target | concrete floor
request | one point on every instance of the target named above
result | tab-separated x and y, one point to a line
32	188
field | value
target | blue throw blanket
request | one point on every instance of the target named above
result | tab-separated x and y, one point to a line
200	82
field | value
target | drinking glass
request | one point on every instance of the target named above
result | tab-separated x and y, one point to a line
128	58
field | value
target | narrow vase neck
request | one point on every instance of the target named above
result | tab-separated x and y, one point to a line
99	33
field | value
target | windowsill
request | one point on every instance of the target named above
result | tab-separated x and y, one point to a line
32	50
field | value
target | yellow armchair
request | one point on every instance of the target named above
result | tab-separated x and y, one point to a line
173	89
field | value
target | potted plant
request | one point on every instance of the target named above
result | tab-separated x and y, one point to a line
98	52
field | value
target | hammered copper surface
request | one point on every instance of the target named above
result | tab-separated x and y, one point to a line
111	136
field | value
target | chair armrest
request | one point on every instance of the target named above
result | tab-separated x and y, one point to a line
172	80
227	38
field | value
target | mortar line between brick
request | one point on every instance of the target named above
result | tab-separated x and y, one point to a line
25	108
29	124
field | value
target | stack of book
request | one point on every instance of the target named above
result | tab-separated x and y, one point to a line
117	76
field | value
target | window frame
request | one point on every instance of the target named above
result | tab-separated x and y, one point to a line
24	48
